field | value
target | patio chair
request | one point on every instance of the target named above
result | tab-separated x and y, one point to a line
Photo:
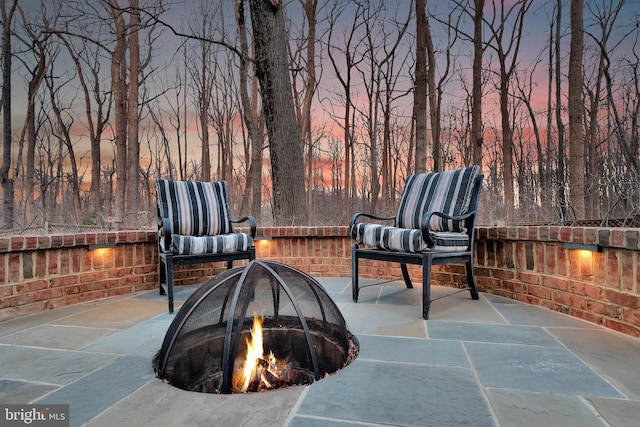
434	225
195	227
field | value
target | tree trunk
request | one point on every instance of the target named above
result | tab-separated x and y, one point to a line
119	86
476	109
420	92
5	178
560	168
309	7
576	130
507	148
287	166
253	188
132	196
434	109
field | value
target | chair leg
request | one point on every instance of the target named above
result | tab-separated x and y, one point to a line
354	273
162	274
229	265
427	263
471	280
169	261
405	276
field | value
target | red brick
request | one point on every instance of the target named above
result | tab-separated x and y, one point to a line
609	310
14	267
92	296
569	300
540	291
64	280
539	253
17	243
52	262
41	264
36	307
617	238
3	269
47	294
5	244
16	300
599	267
6	290
574	264
577	234
529	278
631	316
586	290
556	283
31	286
628	282
561	266
622	327
31	242
588	316
631	301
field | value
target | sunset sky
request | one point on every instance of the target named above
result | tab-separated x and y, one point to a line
537	24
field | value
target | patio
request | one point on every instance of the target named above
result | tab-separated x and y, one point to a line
493	362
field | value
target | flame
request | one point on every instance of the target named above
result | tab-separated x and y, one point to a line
256	368
255	352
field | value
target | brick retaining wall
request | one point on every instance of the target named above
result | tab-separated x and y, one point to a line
529	264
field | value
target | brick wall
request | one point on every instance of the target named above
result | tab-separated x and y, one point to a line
529	264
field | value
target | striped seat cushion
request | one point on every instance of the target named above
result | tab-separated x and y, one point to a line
447	192
200	245
407	240
195	208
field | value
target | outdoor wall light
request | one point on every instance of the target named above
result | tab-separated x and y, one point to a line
583	247
259	238
101	246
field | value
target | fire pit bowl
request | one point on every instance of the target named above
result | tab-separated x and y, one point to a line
255	328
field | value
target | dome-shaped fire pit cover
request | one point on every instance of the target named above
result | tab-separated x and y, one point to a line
254	328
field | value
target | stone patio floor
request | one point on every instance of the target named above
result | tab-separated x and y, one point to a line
492	362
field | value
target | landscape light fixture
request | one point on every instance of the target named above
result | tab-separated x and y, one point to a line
583	247
101	246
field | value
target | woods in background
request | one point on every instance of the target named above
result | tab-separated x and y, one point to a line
312	110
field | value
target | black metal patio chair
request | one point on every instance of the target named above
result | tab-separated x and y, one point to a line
195	227
434	225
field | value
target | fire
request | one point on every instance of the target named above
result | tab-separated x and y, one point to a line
256	371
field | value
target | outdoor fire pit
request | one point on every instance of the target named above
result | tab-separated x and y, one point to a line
255	328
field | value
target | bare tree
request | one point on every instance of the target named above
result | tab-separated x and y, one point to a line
304	73
201	65
40	47
420	87
61	130
252	121
506	37
576	127
561	161
344	62
476	110
436	88
287	167
5	177
132	193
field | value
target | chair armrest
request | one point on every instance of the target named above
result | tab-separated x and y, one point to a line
355	216
426	228
252	223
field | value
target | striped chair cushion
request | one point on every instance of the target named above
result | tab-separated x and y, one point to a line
199	245
407	240
195	208
447	192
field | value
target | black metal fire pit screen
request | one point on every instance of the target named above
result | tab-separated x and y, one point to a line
259	327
